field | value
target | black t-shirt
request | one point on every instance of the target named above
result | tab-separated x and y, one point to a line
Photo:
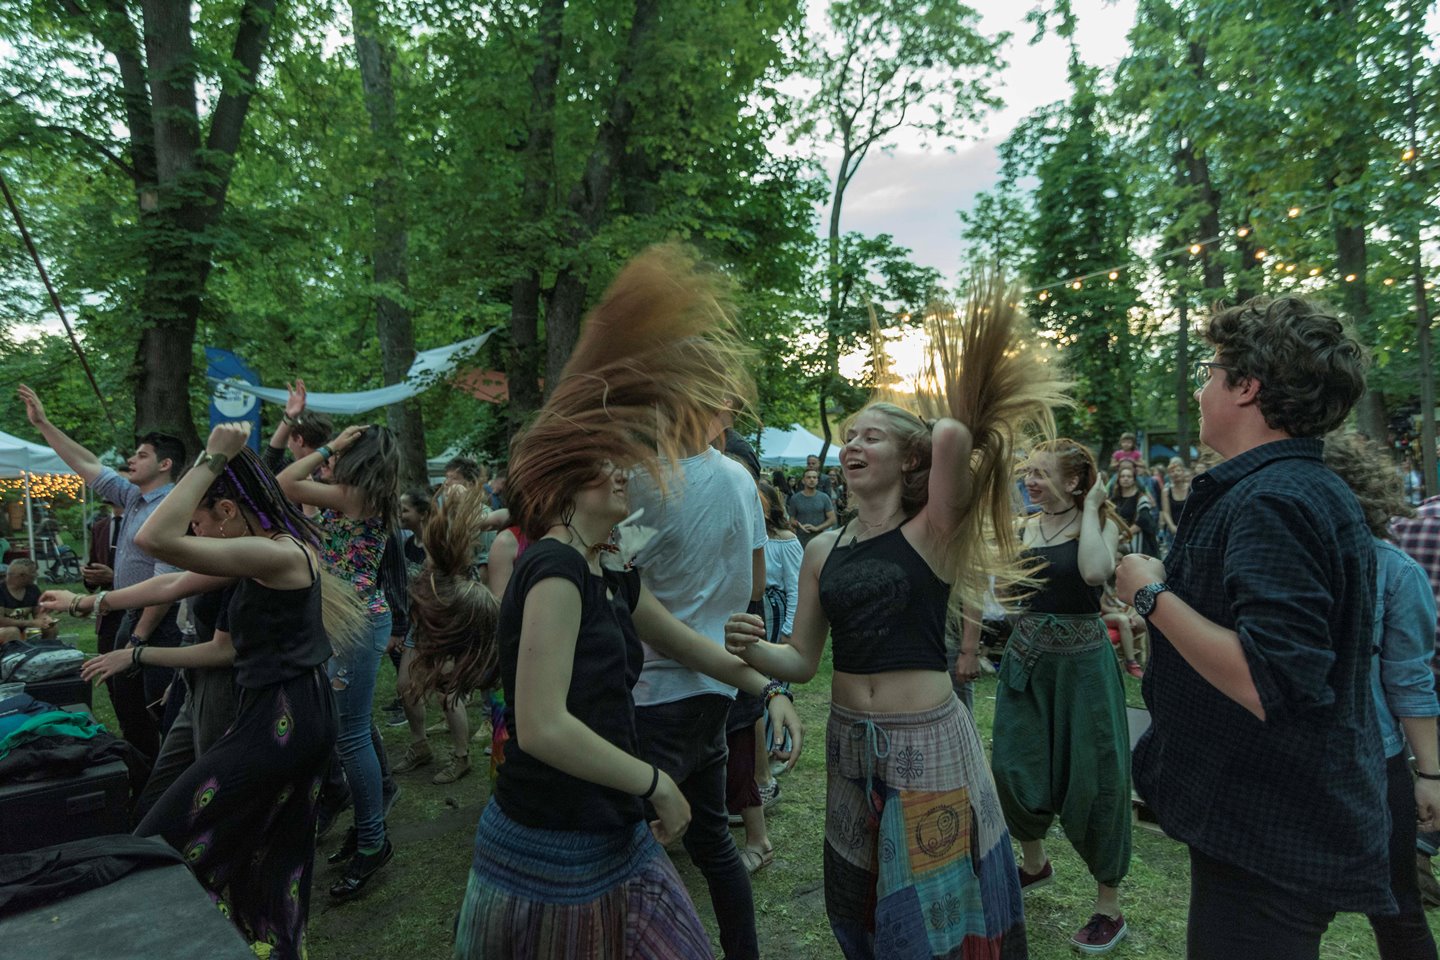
21	607
608	657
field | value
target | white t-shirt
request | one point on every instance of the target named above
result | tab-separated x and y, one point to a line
699	564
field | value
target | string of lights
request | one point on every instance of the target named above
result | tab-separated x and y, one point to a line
44	486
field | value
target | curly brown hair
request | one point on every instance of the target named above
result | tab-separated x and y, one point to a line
1367	470
1311	370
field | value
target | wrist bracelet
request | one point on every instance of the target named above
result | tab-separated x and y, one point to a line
654	782
776	688
325	452
135	663
290	421
1427	776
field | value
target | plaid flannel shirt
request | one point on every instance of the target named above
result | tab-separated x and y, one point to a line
1419	536
1274	546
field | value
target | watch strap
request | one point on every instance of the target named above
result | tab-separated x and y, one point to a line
215	461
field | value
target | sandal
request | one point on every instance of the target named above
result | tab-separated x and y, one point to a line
756	860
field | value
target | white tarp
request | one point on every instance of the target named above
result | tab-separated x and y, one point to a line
429	368
18	457
789	448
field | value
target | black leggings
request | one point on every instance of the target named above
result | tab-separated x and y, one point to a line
1235	913
1406	935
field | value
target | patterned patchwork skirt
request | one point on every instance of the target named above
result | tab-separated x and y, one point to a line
538	894
244	814
918	863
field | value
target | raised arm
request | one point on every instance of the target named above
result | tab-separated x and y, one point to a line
1098	539
295	479
951	489
164	534
164	589
82	461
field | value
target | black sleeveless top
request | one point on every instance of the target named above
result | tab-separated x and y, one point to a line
278	634
1063	590
885	605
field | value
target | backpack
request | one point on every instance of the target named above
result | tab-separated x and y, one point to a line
24	661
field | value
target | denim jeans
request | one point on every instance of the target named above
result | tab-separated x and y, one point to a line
686	739
353	672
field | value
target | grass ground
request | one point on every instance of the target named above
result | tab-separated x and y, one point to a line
409	910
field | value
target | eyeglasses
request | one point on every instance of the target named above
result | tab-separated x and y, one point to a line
1203	371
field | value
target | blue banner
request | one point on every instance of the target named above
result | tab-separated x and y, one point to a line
228	405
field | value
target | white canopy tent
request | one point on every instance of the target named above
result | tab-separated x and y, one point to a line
790	447
20	458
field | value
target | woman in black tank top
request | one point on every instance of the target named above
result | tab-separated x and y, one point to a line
900	749
1061	738
244	814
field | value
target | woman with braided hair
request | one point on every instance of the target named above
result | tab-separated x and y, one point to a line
244	814
917	859
1062	741
565	864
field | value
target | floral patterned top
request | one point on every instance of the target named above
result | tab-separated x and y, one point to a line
351	549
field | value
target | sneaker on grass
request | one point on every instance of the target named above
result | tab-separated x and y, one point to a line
1100	935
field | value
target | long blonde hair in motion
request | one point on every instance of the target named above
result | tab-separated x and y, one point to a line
985	368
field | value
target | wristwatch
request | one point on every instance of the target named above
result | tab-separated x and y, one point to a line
1146	596
215	461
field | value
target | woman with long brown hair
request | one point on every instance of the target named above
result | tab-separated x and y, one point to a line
915	845
565	864
1062	743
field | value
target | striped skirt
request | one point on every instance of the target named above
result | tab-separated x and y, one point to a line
918	862
539	894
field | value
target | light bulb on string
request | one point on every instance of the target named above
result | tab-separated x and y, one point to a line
1430	285
1289	268
1243	232
1407	155
1195	249
1260	254
1293	212
1389	281
1076	285
1114	274
1349	278
1314	271
1044	295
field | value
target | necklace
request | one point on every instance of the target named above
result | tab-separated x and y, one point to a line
1057	513
870	527
1047	541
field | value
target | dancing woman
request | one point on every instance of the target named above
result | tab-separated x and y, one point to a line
244	814
358	513
564	863
1062	743
915	843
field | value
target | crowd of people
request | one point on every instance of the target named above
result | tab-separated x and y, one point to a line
638	606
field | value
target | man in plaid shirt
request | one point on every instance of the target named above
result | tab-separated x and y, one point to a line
1264	756
1419	536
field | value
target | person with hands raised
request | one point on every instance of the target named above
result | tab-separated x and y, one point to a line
152	468
253	792
906	769
358	513
298	431
1062	742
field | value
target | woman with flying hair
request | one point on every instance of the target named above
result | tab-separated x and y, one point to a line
244	814
358	512
915	844
1062	741
1402	686
565	864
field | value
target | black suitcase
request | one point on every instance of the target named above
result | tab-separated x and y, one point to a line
42	813
161	912
62	691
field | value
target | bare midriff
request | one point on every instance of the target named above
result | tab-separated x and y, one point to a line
895	691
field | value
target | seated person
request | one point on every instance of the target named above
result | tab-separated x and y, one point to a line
1126	626
19	598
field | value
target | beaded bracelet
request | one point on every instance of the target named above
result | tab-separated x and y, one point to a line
776	688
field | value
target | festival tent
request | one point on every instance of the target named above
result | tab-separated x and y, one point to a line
789	448
20	458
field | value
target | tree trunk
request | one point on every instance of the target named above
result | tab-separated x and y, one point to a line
1427	379
831	376
585	208
190	180
393	325
1184	386
1350	259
